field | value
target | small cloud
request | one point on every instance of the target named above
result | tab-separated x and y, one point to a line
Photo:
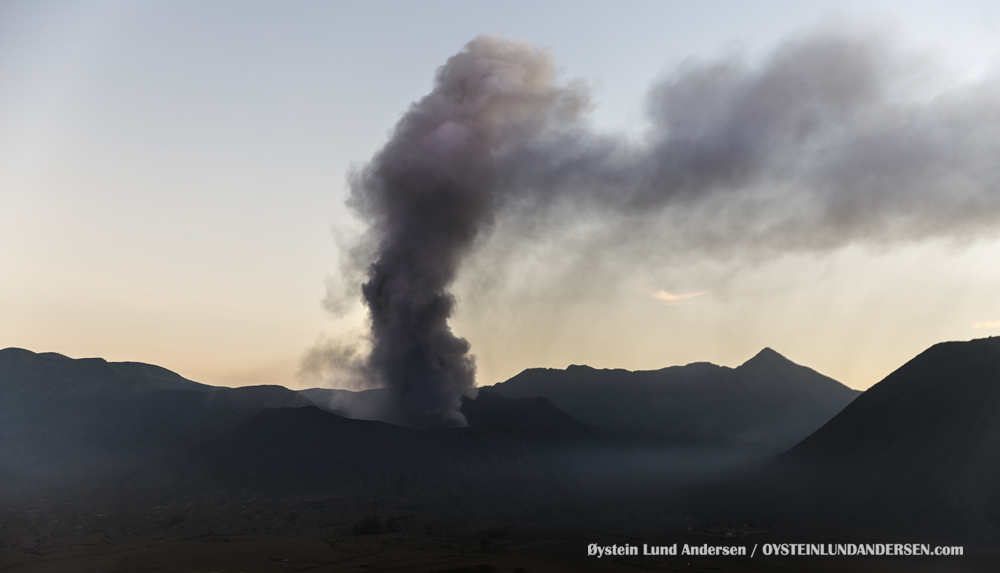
994	324
671	298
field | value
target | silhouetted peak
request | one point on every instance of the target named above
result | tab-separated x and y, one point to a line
54	355
12	352
701	368
768	353
584	369
767	356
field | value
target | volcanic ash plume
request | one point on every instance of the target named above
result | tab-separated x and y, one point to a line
426	196
831	141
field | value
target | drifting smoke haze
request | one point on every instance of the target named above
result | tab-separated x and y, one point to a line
832	140
340	363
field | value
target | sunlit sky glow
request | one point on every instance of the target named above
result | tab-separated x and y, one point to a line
173	177
670	297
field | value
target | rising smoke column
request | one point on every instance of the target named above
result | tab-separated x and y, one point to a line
832	140
426	196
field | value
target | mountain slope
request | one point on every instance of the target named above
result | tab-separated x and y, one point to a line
65	421
918	455
920	449
768	399
492	409
159	373
359	405
486	409
77	428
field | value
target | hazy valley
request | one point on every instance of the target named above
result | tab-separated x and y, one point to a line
99	455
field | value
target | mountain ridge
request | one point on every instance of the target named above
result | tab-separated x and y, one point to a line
917	454
700	401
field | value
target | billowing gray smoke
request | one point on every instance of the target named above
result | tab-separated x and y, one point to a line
830	141
427	195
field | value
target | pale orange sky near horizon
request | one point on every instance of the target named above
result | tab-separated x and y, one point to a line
173	171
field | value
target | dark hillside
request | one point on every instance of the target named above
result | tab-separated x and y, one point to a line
918	453
768	399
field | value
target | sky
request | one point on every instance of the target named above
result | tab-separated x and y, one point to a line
173	178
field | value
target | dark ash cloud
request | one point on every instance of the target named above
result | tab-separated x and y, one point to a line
832	140
426	196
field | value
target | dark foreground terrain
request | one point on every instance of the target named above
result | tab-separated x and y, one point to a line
307	534
130	467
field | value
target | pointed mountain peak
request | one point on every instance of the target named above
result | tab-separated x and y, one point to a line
775	371
768	356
